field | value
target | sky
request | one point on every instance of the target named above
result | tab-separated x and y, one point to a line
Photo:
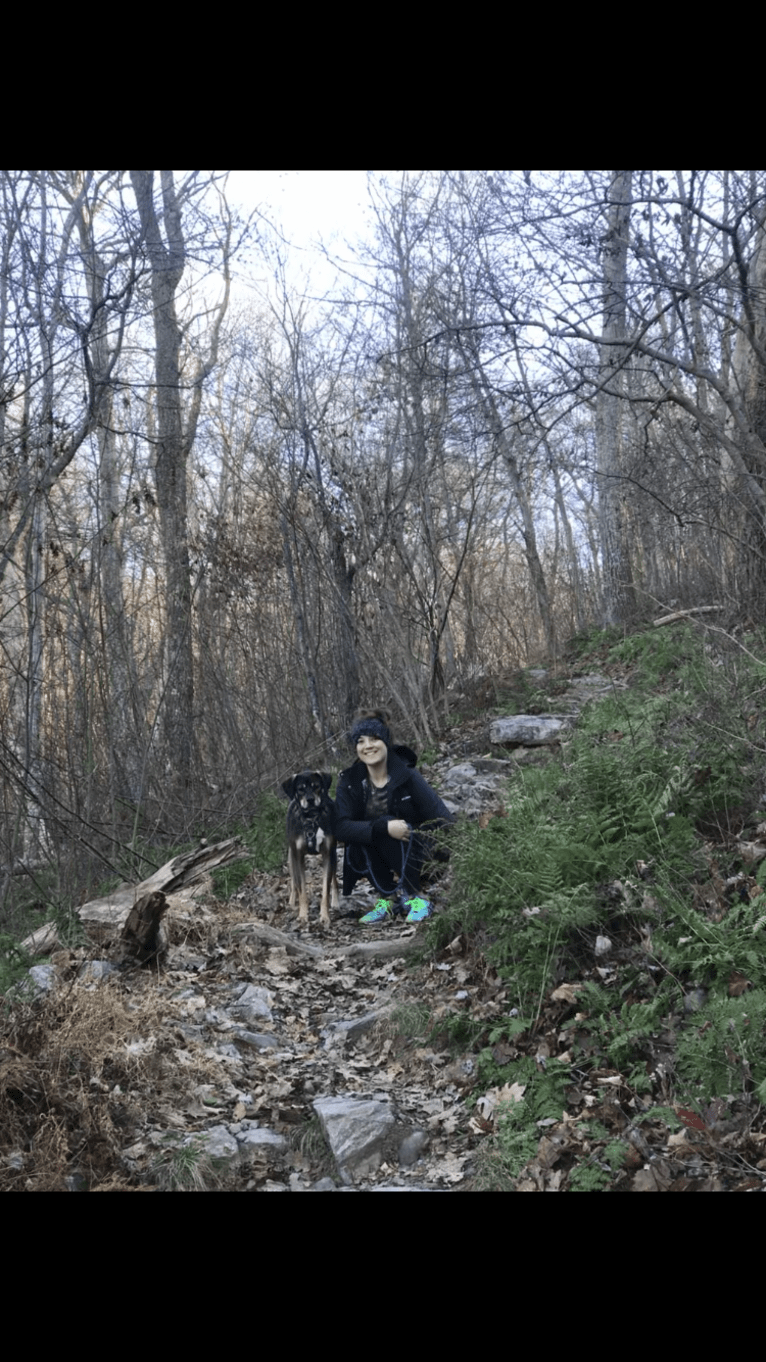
307	205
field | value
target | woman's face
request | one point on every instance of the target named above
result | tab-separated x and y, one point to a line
371	751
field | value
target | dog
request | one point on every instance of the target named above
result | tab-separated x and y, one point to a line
311	831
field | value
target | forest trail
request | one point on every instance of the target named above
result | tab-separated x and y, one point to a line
270	1056
264	1055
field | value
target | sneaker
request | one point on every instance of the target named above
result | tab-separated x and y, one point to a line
379	913
420	909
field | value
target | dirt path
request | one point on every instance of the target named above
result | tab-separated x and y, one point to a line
263	1057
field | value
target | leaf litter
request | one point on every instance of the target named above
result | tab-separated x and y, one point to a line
96	1078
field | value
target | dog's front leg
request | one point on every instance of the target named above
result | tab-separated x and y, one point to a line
329	880
292	866
298	878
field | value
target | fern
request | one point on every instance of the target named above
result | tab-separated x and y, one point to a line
724	1050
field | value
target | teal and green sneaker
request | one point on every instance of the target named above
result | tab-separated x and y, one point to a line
420	909
379	913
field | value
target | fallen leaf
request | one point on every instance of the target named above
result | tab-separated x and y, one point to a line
649	1180
738	984
566	993
678	1141
690	1119
751	852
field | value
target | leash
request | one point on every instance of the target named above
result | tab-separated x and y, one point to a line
399	891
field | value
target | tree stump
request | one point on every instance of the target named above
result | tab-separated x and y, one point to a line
144	936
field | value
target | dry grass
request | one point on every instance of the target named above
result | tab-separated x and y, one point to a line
76	1069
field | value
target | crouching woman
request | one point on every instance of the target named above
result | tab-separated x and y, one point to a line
384	813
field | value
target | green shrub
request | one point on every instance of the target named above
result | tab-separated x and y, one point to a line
723	1050
14	962
264	839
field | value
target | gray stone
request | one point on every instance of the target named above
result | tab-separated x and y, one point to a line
228	1052
531	730
458	774
257	1040
256	1141
412	1147
391	1187
219	1144
97	969
253	1004
342	1031
355	1129
43	977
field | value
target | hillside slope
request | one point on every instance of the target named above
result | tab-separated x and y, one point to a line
585	1012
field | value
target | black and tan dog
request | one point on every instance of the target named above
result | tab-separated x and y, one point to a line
311	831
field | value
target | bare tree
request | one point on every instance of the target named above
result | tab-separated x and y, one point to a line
619	595
179	380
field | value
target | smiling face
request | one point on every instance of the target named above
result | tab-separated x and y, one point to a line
372	751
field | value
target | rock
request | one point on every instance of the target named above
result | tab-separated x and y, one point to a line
355	1129
97	970
256	1141
412	1147
457	775
342	1031
219	1144
253	1004
256	1040
43	977
469	792
531	730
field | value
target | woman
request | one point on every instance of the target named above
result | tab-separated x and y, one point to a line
381	802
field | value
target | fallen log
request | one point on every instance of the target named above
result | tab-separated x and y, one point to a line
269	936
376	950
43	941
684	614
107	915
364	950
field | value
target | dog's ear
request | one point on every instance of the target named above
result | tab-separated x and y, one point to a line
326	779
289	786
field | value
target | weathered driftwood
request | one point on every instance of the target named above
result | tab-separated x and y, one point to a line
684	614
108	915
269	936
143	937
370	950
43	941
377	950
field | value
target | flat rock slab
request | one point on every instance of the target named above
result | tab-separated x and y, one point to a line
529	730
355	1129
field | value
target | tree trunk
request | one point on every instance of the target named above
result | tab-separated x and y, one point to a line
750	372
167	262
619	593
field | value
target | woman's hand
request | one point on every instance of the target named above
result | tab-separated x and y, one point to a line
398	829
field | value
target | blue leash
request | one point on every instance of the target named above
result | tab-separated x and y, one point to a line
399	891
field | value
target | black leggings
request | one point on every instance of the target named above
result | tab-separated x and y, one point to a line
381	862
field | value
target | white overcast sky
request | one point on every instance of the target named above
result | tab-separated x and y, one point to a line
306	205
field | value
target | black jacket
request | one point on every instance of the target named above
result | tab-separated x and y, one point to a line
409	797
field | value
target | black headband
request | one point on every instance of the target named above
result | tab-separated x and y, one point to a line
369	728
